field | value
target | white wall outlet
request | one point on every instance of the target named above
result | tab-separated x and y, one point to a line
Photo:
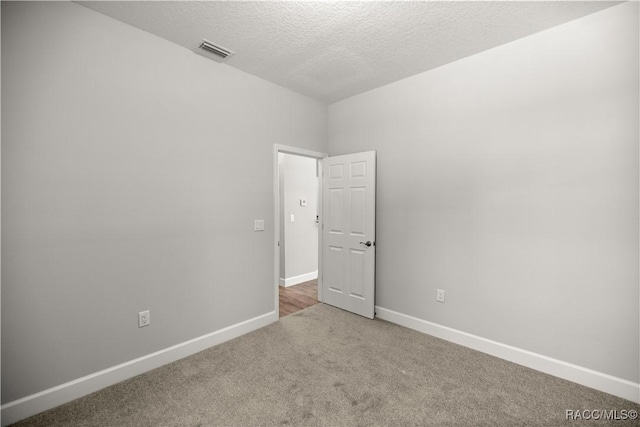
258	225
292	218
440	295
144	318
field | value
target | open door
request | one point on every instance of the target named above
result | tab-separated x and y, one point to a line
349	232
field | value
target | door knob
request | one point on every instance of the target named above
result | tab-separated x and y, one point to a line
367	243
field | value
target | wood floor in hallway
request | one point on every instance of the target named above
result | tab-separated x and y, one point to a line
295	298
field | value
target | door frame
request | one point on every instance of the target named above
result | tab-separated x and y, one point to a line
277	148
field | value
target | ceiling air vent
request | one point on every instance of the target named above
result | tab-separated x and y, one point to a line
214	51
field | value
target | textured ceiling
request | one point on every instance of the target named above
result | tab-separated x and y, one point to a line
334	50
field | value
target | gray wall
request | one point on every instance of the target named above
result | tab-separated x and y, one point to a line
132	171
510	180
301	236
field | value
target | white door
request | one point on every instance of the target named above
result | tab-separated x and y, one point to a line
349	232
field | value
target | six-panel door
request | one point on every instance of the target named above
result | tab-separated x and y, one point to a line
349	232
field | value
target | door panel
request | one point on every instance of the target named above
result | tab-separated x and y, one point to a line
334	277
348	224
335	210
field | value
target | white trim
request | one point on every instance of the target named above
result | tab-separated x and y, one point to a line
568	371
277	148
295	280
55	396
320	226
298	151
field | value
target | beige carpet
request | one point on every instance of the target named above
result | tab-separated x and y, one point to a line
323	366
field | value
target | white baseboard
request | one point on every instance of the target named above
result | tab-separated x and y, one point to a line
299	279
568	371
55	396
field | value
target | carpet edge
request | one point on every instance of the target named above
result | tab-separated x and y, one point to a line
33	404
578	374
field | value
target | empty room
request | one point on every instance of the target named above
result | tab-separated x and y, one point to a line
475	259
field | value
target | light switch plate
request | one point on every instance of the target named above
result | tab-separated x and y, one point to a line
258	225
303	202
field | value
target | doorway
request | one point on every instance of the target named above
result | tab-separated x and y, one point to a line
297	187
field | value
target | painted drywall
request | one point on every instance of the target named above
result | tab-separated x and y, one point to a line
510	180
300	237
132	172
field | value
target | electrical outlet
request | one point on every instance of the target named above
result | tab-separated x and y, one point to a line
440	295
144	318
